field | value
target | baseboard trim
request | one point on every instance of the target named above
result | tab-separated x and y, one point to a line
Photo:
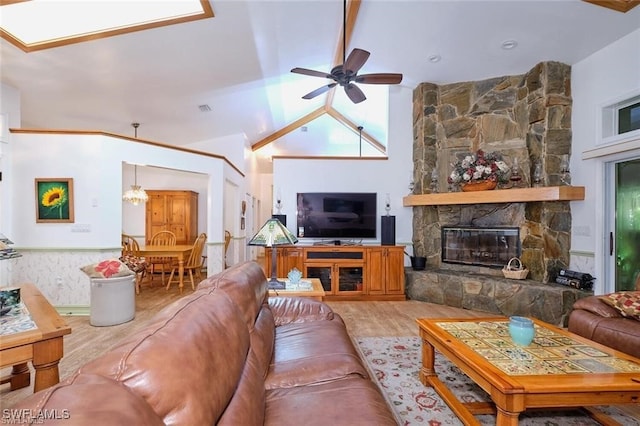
73	310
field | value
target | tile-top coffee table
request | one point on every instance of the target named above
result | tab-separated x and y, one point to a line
42	345
559	369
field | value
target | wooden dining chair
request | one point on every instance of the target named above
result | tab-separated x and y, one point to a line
130	256
194	263
162	238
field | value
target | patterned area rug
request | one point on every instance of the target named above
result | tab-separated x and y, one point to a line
395	362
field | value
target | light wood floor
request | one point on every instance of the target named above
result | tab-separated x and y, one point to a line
363	319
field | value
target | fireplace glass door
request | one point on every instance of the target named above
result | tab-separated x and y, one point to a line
491	247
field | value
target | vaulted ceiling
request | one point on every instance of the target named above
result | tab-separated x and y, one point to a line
228	77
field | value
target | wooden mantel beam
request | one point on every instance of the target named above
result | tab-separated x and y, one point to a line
516	195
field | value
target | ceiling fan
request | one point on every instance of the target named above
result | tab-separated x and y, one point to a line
346	74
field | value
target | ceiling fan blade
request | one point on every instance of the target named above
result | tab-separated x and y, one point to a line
311	73
354	93
380	78
319	91
355	61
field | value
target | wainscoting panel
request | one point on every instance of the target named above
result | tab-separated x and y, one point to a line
57	273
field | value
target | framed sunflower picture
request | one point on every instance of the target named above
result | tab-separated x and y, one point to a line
54	200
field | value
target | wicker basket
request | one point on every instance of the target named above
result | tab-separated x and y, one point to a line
515	270
479	185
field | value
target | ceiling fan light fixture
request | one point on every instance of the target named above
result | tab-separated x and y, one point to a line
346	74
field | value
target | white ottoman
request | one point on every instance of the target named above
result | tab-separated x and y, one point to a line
113	300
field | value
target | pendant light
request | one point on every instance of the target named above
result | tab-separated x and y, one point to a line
136	194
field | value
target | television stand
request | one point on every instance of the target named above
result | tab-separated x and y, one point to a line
347	272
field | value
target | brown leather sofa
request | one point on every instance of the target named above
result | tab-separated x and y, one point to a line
596	320
228	355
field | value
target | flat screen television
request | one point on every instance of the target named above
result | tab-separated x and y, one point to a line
335	215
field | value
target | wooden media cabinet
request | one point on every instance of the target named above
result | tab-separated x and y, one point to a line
346	272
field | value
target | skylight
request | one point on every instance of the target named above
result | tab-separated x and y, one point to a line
42	24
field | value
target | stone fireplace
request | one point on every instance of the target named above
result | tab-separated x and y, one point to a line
525	118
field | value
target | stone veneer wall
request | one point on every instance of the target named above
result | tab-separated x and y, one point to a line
551	303
527	117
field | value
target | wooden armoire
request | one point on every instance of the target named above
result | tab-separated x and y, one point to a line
175	211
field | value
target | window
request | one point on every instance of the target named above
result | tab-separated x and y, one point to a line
629	118
621	119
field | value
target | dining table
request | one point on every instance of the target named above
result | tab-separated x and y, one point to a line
178	251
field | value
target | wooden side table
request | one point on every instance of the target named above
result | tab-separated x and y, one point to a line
42	346
316	292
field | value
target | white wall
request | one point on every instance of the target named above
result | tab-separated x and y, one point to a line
610	74
96	166
291	176
10	115
54	252
258	199
234	148
10	111
231	146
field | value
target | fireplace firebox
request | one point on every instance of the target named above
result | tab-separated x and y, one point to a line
490	247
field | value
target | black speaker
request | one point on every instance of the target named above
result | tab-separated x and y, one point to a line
388	228
281	217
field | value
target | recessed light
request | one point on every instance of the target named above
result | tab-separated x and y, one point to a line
434	58
509	44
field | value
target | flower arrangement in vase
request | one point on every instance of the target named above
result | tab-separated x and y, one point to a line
479	171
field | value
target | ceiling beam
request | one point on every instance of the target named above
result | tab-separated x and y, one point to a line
353	7
619	5
289	128
328	157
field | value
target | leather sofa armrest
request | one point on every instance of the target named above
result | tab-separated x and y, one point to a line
85	399
596	306
287	310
